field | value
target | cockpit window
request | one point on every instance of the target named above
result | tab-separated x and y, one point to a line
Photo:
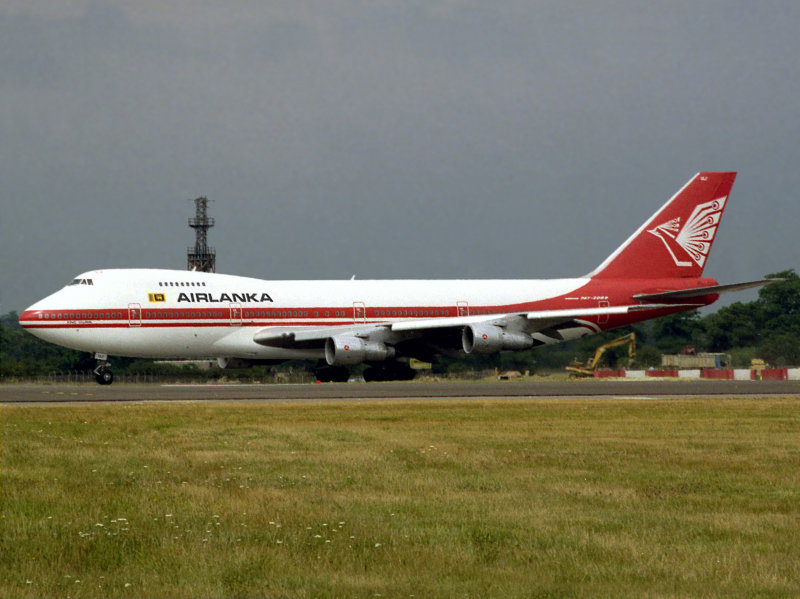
80	282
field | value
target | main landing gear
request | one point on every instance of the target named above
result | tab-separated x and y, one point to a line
103	374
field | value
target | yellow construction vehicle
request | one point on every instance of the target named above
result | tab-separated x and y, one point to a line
576	369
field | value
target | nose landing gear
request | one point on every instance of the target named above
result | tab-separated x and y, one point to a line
103	374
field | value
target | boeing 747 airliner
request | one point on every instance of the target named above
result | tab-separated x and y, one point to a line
153	313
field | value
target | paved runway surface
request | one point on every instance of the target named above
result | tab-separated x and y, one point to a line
416	390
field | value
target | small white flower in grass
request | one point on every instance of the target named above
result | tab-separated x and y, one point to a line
128	584
377	544
28	582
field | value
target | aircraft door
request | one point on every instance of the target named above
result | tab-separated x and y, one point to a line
236	314
602	318
462	308
359	312
134	315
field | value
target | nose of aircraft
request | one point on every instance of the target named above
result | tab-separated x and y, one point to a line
31	316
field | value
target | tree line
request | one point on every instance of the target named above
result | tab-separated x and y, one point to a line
767	327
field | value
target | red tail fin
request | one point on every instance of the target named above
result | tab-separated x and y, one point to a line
676	240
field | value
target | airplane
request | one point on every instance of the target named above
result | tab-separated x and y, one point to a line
155	313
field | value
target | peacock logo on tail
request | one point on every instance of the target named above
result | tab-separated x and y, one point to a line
696	235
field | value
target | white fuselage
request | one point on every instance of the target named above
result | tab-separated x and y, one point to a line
155	313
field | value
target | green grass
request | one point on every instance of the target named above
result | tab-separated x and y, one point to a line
676	498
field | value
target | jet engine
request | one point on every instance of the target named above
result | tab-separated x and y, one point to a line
346	350
490	339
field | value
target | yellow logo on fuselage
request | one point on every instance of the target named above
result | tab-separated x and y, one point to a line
156	297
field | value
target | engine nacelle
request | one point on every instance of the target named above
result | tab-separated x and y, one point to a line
349	351
490	339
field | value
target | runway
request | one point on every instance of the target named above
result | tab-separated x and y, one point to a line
601	389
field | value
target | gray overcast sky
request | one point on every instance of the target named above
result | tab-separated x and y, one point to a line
388	138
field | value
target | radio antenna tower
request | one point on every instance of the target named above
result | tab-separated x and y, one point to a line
201	257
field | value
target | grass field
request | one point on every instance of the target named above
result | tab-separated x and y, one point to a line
556	498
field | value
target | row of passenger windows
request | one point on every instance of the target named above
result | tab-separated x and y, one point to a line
250	314
181	284
193	314
412	312
292	313
82	315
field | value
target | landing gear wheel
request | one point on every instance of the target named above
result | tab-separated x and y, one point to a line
104	376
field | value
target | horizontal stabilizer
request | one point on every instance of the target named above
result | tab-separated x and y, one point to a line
700	291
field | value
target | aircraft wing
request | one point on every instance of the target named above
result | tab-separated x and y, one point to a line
541	319
390	332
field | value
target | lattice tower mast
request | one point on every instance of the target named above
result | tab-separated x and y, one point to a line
201	257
